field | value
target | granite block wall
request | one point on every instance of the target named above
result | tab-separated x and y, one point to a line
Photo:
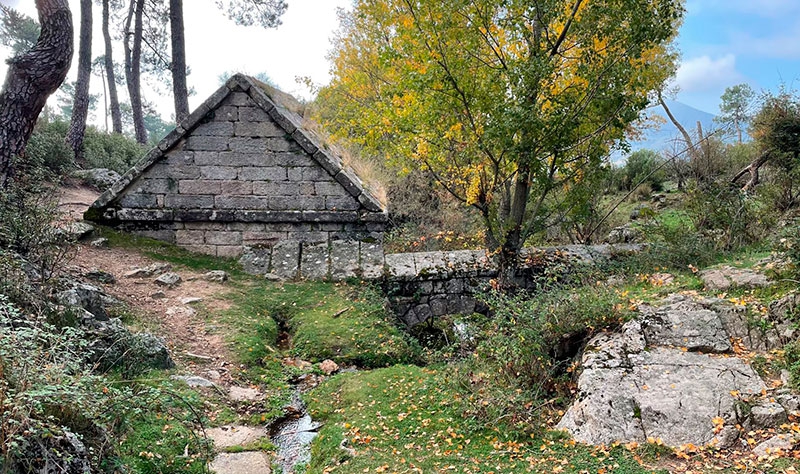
237	179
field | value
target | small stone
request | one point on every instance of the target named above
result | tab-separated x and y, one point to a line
100	178
724	278
250	462
191	300
230	436
216	276
778	444
181	310
786	377
78	230
158	295
169	280
193	380
296	362
328	366
100	243
101	276
214	374
241	394
767	415
789	402
272	277
150	271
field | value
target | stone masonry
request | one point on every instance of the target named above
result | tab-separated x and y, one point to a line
243	174
425	285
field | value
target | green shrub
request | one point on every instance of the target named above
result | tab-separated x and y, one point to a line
526	349
645	166
46	389
727	216
674	242
111	150
29	244
47	149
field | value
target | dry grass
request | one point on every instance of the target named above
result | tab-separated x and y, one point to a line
365	169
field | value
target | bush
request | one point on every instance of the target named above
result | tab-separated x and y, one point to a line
47	149
48	394
45	389
111	150
526	350
730	218
30	247
644	166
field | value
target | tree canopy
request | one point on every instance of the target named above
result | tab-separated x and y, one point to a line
508	103
735	107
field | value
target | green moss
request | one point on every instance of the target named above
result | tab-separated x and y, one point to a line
408	418
168	252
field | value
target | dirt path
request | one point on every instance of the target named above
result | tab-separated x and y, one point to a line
196	344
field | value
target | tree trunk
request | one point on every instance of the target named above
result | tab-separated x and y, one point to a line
752	170
133	64
508	263
179	89
116	115
80	107
30	80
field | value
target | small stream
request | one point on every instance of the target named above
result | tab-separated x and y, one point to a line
292	434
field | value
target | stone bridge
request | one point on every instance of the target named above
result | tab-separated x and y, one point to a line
420	285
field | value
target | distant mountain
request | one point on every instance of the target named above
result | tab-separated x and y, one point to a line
662	137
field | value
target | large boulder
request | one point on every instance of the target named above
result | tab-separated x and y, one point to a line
680	322
726	277
114	345
99	178
645	383
87	297
64	454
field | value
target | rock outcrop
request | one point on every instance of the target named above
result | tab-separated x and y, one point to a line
668	376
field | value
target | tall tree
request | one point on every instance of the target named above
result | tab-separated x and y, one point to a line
133	63
31	78
735	107
17	30
80	108
179	90
509	104
266	13
111	80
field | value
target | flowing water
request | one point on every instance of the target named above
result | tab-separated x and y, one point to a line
292	435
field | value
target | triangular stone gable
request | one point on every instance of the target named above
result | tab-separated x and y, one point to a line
241	127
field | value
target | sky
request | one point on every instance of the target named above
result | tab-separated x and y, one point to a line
722	43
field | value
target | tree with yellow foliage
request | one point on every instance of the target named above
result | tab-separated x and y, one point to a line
508	103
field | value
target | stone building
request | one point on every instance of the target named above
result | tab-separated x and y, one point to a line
245	175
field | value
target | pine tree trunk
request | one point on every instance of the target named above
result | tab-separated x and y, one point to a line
133	63
30	80
113	98
80	108
179	89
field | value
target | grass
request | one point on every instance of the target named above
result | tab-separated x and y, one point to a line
337	321
161	435
407	419
168	252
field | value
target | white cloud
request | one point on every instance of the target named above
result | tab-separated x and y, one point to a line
705	74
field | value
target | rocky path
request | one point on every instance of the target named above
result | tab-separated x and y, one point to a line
177	305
